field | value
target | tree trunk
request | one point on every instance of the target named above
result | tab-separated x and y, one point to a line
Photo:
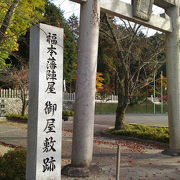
7	19
120	117
115	84
23	111
24	102
23	105
122	105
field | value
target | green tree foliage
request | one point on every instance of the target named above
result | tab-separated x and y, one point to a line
54	16
107	53
27	13
70	56
74	25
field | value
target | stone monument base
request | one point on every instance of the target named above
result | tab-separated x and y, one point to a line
71	171
171	152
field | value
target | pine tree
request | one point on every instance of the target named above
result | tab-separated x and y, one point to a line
74	25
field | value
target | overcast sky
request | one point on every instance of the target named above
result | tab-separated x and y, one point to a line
70	7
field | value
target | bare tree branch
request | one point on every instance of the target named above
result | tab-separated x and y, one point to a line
107	35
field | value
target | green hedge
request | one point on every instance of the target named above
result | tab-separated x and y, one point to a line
18	117
110	108
160	134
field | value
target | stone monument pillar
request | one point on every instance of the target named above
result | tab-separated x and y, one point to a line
45	103
173	74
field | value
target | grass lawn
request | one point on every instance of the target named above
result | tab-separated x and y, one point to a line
110	108
160	134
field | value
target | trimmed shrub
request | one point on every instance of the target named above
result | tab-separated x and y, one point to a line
67	113
13	165
17	117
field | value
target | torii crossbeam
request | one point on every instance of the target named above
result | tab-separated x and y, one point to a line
124	10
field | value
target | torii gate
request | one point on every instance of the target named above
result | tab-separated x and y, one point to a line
82	148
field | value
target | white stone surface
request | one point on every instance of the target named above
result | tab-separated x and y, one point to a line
44	139
173	74
83	126
13	105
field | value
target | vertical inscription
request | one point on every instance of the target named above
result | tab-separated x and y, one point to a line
51	104
49	143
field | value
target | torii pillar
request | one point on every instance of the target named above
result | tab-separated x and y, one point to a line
173	74
83	125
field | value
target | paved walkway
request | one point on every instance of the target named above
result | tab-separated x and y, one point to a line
149	119
103	121
138	160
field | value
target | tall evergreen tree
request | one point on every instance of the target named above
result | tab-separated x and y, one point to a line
54	16
74	25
